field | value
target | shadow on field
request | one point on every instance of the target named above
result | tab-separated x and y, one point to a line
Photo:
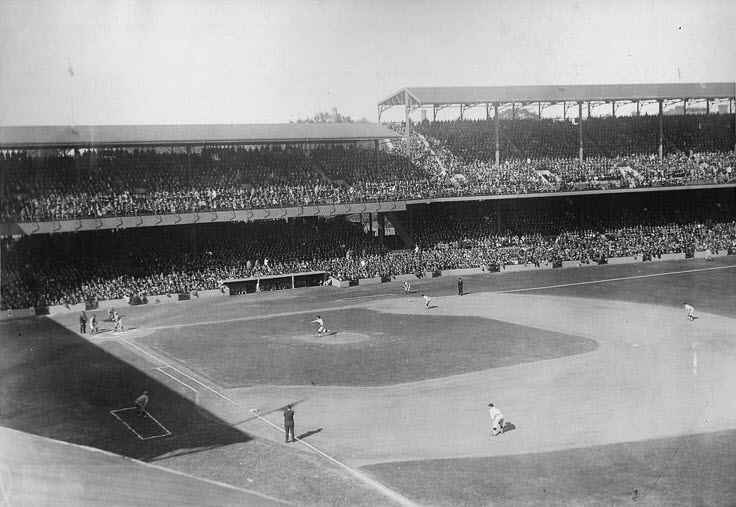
309	433
509	427
56	384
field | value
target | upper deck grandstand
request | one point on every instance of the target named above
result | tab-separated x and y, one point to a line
63	174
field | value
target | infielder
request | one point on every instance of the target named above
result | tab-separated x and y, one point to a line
689	310
427	299
321	323
497	422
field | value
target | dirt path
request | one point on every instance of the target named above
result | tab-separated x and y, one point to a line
639	384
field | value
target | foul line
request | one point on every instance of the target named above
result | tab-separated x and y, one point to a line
613	279
200	383
176	370
402	500
161	369
393	495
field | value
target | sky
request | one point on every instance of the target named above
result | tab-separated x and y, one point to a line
275	61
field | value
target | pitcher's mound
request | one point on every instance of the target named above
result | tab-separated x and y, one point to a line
334	338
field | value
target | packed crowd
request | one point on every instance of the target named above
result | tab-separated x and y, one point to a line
447	159
103	265
474	140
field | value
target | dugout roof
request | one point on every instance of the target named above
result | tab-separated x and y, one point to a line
181	135
454	95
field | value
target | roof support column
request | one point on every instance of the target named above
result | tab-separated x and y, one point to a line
462	106
588	109
434	112
189	164
77	166
513	110
638	110
564	110
707	106
375	149
580	131
613	108
661	134
407	133
539	110
734	117
488	111
495	126
684	106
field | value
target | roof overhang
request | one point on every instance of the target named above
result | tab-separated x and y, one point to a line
100	136
458	95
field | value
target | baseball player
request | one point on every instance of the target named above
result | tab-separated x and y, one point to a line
140	404
427	299
407	287
321	324
689	310
118	322
497	422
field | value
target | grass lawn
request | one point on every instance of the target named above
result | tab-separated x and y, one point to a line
397	348
674	472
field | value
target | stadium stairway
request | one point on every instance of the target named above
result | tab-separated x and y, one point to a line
400	228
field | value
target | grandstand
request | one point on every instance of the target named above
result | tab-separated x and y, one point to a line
282	193
138	217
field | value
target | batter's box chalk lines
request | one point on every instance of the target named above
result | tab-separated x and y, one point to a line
197	381
165	433
167	365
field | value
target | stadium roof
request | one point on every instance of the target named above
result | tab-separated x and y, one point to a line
446	95
172	135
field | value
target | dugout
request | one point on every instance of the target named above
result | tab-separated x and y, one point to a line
269	283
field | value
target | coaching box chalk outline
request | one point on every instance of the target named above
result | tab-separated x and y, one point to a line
166	434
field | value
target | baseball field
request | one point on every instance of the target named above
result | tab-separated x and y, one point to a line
610	394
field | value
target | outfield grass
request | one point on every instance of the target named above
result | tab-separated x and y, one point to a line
675	472
398	348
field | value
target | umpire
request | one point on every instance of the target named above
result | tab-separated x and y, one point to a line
289	423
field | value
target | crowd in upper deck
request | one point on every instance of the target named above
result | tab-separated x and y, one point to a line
446	159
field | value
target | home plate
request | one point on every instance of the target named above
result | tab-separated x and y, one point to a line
335	338
635	345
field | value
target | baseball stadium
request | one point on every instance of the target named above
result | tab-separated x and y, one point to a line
556	254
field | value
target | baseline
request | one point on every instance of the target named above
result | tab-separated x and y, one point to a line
397	497
634	277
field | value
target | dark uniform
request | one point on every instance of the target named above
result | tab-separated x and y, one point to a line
289	423
82	322
459	286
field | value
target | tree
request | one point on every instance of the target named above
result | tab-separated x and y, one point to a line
332	117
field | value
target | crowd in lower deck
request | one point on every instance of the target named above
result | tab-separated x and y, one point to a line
102	265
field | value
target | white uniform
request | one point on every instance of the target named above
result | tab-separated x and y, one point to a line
119	323
427	299
497	421
321	323
689	310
